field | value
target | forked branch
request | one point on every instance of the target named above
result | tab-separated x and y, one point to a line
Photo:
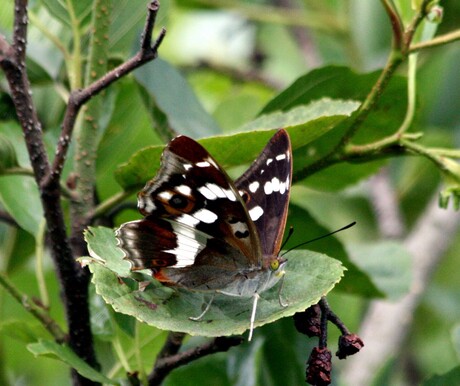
78	98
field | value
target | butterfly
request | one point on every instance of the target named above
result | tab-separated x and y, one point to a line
204	232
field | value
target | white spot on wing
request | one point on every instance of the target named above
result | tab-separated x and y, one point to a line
280	157
188	242
282	187
217	190
268	187
275	184
269	161
207	193
206	216
188	166
255	213
184	189
230	195
254	186
147	205
239	227
188	220
203	164
165	195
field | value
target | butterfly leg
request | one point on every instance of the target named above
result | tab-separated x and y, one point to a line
253	315
282	303
208	306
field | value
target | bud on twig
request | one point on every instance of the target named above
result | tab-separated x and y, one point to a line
309	321
319	367
349	344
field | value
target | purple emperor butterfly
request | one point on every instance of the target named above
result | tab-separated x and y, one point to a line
204	232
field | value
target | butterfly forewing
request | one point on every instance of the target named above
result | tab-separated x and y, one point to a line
266	187
192	192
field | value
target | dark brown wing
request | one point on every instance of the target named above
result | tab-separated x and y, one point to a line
267	184
196	201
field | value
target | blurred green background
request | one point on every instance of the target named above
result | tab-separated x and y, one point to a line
227	60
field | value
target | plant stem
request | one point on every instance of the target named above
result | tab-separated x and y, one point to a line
39	251
411	94
437	41
108	204
38	312
88	133
75	65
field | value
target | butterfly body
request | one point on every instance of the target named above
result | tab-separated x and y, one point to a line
204	232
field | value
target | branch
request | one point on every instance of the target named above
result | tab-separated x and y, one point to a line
164	365
72	280
20	30
38	312
77	98
437	41
387	324
396	24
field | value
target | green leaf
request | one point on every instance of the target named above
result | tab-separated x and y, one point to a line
387	263
129	130
456	338
308	227
60	10
449	378
304	124
342	83
301	115
19	194
102	248
309	275
8	158
25	332
101	321
170	93
65	354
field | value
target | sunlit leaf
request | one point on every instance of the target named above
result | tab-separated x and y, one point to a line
304	125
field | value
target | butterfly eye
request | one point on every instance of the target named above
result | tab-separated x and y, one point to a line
274	265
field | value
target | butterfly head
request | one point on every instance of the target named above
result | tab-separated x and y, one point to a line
273	272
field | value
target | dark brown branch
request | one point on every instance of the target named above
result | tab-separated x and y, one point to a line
71	277
396	24
77	98
20	30
165	365
172	345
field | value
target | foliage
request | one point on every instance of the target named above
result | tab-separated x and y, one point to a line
368	92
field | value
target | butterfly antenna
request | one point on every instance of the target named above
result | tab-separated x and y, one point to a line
318	238
290	233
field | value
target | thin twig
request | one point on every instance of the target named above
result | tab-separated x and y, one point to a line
437	41
165	365
79	97
396	24
38	312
